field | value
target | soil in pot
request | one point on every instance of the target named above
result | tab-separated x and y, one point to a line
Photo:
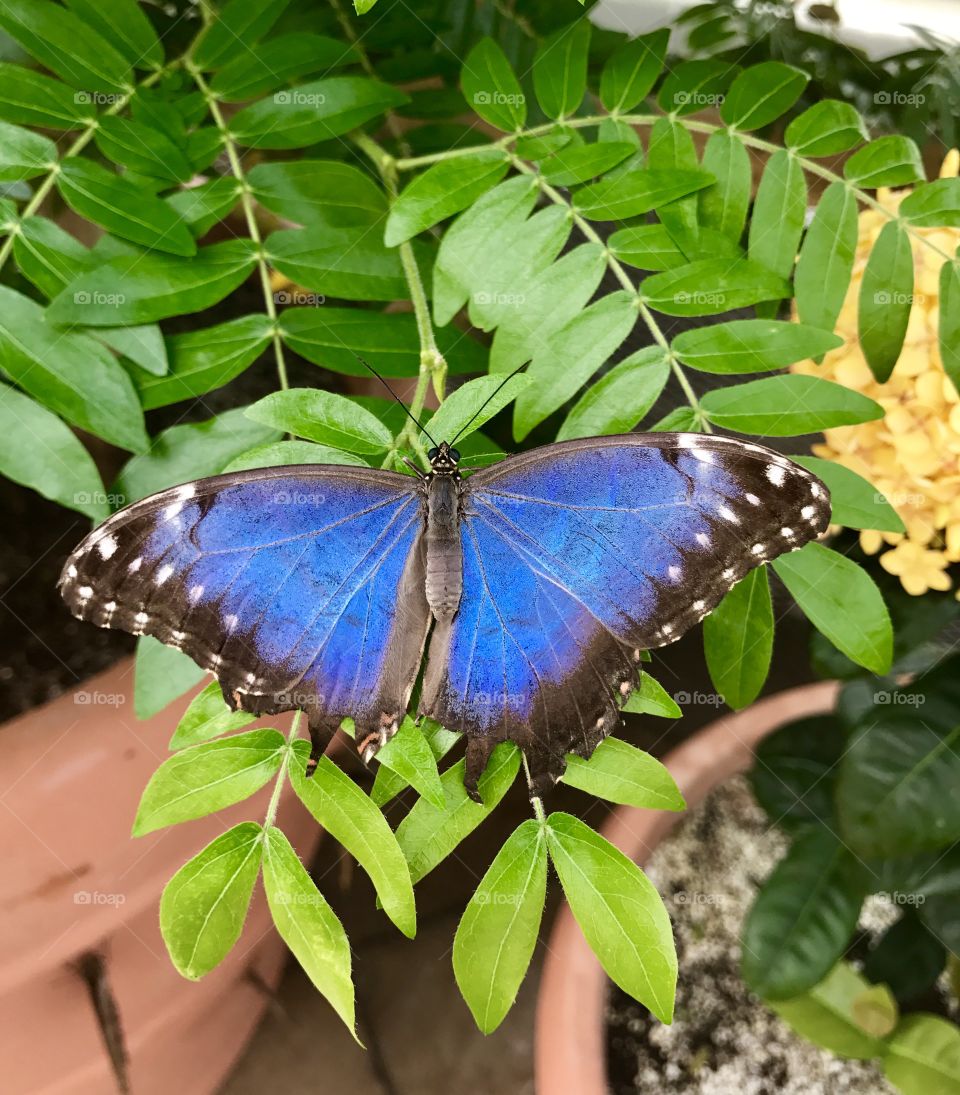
723	1039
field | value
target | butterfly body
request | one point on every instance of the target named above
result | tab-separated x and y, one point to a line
536	582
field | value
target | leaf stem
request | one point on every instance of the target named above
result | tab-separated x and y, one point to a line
535	800
271	815
250	214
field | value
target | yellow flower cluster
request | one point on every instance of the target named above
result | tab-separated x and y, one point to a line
912	454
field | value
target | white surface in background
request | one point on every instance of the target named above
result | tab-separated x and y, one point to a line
878	27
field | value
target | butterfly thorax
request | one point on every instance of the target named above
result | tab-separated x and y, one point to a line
444	577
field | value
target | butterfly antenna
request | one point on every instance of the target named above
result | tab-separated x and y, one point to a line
406	409
498	388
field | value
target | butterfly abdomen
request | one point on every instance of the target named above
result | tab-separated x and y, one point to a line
444	553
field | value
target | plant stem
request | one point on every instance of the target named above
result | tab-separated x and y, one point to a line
535	800
271	815
49	181
250	214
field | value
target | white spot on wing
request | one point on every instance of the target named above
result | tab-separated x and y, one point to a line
230	621
71	571
703	539
728	515
171	511
85	592
752	499
163	574
758	549
196	592
776	474
674	573
135	565
107	546
808	513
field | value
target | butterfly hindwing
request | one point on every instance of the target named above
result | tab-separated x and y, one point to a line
580	554
299	588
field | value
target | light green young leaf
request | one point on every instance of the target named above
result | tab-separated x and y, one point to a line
308	925
887	161
208	777
23	153
856	502
619	911
724	205
350	817
324	417
408	754
498	931
290	453
679	420
238	25
825	129
708	287
319	192
886	297
637	192
826	258
842	601
161	675
560	69
388	783
491	87
948	334
204	905
351	263
207	717
778	215
428	835
40	451
784	406
442	190
923	1056
738	640
751	345
203	360
27	97
761	93
277	62
628	77
619	772
475	403
620	398
651	698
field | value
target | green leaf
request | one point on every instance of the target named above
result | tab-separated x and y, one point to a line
324	417
619	772
652	699
751	345
761	93
190	451
679	420
671	149
491	87
319	192
886	297
856	502
207	717
388	783
498	931
47	255
204	905
651	246
908	958
125	26
619	911
778	215
695	85
24	154
842	601
475	403
784	406
428	835
161	675
442	190
27	97
121	207
349	816
923	1056
825	129
69	373
145	288
351	262
203	360
560	69
203	206
65	44
895	789
933	205
143	345
335	337
620	398
570	356
290	453
887	161
307	924
38	450
826	258
142	148
208	777
825	1014
628	77
578	163
238	25
724	205
948	334
738	640
711	286
308	113
409	755
637	192
277	62
803	917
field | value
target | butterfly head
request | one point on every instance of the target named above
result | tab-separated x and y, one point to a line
443	459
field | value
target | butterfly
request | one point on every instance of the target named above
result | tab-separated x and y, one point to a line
539	581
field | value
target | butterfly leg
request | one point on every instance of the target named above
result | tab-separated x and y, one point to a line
322	728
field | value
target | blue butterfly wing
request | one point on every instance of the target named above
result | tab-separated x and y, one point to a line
579	555
299	588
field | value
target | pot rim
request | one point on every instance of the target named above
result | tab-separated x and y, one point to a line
569	1049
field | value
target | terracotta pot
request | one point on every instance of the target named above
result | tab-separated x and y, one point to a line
74	881
570	1052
